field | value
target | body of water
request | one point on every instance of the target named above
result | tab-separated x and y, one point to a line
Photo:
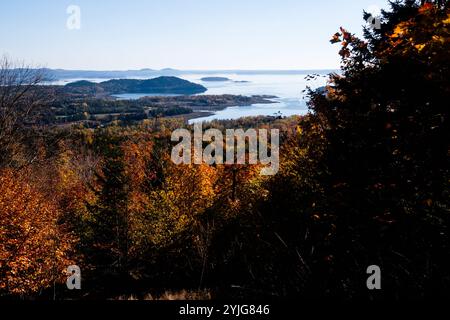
288	89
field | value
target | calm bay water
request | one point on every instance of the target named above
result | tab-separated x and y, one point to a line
288	89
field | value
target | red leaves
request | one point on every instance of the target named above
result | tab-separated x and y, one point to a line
426	7
348	41
344	53
346	35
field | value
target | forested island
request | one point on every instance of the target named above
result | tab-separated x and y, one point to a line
160	85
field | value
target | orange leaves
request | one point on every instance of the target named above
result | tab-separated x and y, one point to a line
400	30
426	7
421	36
447	20
336	38
419	47
33	249
136	157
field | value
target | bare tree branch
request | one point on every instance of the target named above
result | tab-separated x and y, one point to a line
20	102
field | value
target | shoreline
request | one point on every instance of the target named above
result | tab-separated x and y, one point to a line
191	116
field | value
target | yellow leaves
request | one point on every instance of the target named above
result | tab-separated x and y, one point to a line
88	137
400	30
420	47
193	186
164	213
446	21
425	34
439	39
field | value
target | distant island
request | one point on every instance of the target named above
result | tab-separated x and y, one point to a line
221	79
160	85
215	79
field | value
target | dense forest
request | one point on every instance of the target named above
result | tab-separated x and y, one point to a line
364	180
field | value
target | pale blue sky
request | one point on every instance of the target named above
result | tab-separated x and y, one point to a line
183	34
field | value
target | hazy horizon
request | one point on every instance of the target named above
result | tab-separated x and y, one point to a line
192	70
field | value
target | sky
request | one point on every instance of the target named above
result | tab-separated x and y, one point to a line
181	34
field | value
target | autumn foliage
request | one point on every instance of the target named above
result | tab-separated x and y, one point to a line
363	180
34	245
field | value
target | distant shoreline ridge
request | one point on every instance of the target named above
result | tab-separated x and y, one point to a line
61	74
